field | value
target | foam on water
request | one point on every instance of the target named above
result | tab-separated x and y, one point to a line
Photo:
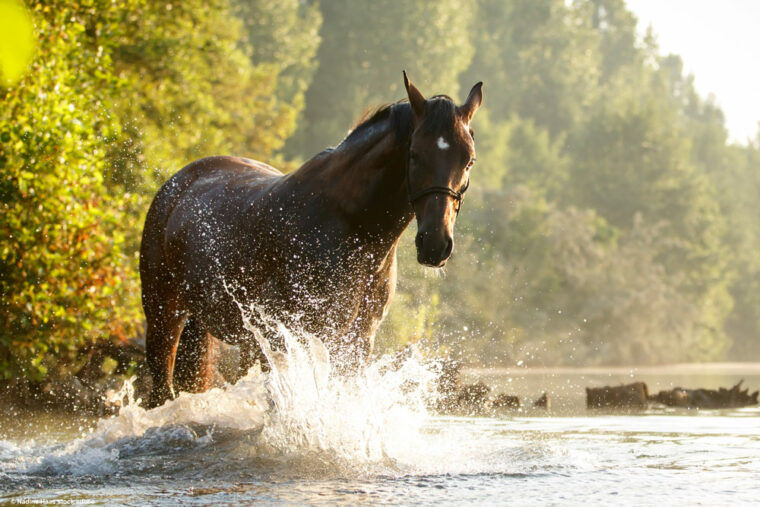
300	409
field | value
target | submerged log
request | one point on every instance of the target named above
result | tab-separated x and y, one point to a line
449	379
473	397
543	402
708	398
507	401
633	395
448	385
477	399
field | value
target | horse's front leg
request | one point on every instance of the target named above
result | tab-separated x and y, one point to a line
359	341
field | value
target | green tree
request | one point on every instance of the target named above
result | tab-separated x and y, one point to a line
633	158
119	96
284	34
616	29
365	46
193	91
540	57
65	277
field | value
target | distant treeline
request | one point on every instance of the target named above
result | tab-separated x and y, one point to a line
609	220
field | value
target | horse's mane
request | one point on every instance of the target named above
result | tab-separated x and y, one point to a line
374	114
400	114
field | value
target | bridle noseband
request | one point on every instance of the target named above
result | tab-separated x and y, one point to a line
414	196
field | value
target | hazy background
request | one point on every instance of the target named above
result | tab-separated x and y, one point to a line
714	39
612	217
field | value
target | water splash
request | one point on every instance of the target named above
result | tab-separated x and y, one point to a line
363	418
300	410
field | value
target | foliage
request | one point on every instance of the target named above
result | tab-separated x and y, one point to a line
538	57
365	46
119	96
65	278
16	41
609	218
285	34
193	91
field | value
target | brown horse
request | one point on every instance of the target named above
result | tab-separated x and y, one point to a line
315	248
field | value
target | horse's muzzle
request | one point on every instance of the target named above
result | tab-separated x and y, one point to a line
433	251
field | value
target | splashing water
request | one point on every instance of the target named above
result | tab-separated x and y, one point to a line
300	409
301	434
359	419
364	418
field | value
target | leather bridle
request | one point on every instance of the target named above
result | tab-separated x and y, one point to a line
414	196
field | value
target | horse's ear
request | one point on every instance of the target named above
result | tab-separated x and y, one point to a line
416	99
474	99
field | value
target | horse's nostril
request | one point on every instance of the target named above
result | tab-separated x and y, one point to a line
449	247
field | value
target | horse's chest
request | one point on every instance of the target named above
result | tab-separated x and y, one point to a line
339	289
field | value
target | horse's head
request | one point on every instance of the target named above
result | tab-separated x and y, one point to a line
441	154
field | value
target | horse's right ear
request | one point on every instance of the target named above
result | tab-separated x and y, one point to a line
474	99
416	99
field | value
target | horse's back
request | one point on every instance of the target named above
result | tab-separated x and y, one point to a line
221	175
225	170
227	163
222	170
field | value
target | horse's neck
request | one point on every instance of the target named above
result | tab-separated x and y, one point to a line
368	181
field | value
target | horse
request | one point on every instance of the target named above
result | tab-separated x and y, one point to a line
315	248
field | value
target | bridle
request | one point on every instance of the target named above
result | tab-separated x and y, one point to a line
414	196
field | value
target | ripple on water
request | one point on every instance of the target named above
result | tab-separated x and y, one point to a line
301	435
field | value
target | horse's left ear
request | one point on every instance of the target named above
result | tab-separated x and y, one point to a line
474	99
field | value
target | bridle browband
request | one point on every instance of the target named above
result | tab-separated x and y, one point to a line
413	196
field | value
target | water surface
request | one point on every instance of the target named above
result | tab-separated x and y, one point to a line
375	443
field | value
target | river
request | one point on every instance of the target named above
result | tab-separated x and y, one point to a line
309	438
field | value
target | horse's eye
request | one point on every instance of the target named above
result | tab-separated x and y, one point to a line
470	164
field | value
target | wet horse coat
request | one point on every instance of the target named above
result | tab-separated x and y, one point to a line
315	248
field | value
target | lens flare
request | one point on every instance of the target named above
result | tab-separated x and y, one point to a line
16	41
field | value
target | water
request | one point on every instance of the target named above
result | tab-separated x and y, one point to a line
302	436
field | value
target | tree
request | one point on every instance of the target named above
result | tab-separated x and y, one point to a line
540	56
193	91
284	34
65	278
119	95
365	46
616	27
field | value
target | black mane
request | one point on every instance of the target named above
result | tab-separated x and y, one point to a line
400	115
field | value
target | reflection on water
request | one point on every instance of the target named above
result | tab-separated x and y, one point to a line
201	456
